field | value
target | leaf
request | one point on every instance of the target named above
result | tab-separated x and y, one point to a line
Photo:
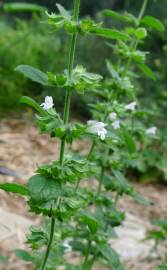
111	256
24	255
141	33
63	11
161	223
14	188
42	188
109	33
78	246
31	102
147	71
121	179
112	70
33	73
129	142
21	7
153	23
4	259
117	16
139	198
89	219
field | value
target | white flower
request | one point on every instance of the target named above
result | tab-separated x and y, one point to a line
113	116
116	124
98	128
67	247
48	104
131	106
151	131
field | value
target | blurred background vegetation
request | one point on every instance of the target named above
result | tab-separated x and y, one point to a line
26	39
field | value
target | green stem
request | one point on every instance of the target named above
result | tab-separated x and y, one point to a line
65	119
91	150
49	244
142	11
87	255
116	199
102	173
70	68
134	44
101	181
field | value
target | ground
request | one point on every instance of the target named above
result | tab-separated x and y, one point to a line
22	148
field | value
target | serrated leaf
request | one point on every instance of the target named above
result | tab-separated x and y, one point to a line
43	189
129	142
34	74
147	71
14	188
31	102
22	7
111	256
24	255
89	219
109	33
153	23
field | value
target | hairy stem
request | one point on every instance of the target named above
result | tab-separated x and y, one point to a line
49	244
65	119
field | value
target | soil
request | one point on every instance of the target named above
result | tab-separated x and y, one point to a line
21	149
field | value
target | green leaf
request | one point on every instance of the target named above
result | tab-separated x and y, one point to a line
14	188
153	23
121	179
22	7
161	223
140	199
117	16
109	33
33	73
4	259
111	256
129	142
162	266
141	33
42	188
112	70
147	71
24	255
31	102
89	219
